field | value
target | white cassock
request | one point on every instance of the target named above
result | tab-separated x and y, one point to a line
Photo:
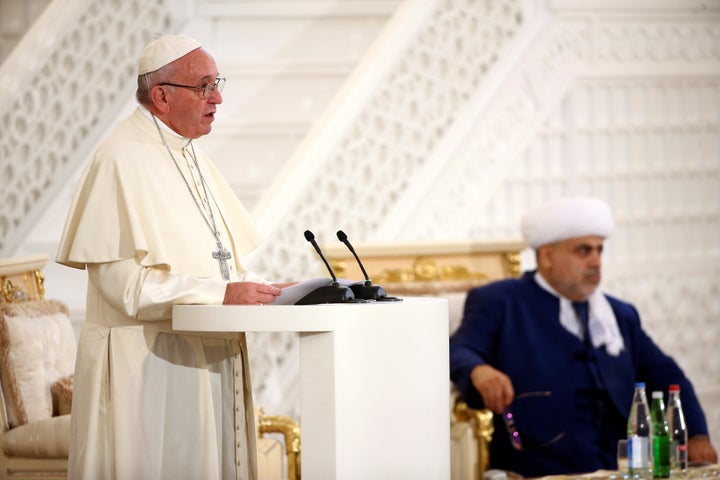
149	403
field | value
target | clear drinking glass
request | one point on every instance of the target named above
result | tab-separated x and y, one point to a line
622	456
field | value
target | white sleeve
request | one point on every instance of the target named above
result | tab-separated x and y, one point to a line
253	277
148	293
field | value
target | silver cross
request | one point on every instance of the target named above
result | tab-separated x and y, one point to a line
222	257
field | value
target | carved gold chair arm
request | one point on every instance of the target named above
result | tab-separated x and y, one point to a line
484	429
290	429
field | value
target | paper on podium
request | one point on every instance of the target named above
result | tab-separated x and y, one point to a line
293	293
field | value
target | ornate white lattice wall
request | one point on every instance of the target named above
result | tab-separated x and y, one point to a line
65	80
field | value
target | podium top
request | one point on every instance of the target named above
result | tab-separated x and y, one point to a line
301	318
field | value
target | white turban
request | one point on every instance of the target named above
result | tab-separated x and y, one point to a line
163	50
566	218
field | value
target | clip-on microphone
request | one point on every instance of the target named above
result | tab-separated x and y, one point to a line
365	289
333	293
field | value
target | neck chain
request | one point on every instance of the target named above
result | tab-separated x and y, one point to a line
221	254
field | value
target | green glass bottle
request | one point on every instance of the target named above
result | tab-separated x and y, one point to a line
661	437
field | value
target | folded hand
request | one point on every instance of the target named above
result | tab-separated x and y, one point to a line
250	293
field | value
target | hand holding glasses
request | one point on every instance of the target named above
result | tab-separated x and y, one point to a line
510	424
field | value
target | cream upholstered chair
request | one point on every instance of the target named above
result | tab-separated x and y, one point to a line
37	355
35	422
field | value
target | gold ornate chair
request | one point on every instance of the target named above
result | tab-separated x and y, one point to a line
37	356
445	270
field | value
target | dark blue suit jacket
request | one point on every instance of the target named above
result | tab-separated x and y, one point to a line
513	326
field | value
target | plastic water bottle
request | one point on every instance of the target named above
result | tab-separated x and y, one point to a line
678	432
639	432
661	437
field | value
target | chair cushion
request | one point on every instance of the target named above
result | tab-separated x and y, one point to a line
47	438
37	347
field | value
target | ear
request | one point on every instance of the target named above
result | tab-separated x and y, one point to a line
544	256
159	99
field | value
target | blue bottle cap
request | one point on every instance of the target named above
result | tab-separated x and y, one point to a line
640	384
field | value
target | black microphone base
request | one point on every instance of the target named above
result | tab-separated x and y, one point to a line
389	299
327	294
371	292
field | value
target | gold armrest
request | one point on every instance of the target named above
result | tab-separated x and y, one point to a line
482	420
290	429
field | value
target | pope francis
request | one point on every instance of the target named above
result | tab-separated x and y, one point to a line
154	223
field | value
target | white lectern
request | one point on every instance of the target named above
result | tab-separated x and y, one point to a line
374	382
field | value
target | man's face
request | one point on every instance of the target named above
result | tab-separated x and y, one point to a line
189	114
573	266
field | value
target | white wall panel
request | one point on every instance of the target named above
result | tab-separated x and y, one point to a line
277	100
306	40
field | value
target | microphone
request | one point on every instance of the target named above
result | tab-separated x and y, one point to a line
364	289
333	293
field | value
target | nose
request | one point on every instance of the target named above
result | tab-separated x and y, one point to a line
595	258
216	97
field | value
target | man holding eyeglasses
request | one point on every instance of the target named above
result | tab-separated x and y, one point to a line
556	359
155	224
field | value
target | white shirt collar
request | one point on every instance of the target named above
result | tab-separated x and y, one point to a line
602	323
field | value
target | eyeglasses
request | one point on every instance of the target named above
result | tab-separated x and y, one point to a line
205	90
515	438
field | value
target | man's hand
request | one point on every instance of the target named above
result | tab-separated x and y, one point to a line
701	450
494	386
249	293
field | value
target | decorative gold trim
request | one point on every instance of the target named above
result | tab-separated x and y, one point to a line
513	260
12	294
290	429
40	283
484	429
426	269
32	287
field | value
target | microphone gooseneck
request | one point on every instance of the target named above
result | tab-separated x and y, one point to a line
333	293
365	289
343	238
310	237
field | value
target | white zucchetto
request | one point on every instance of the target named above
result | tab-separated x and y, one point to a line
163	50
566	218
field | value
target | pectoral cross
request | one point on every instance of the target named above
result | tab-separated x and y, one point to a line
222	257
